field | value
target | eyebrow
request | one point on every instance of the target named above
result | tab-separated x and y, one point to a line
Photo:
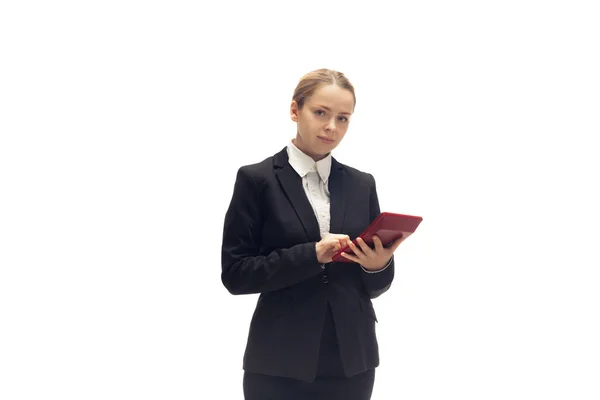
329	109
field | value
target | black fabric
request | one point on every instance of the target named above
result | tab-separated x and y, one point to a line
330	363
264	387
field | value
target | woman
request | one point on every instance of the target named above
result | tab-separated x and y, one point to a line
312	334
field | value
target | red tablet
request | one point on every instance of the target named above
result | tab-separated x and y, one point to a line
388	227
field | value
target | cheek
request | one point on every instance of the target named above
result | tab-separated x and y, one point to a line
309	127
307	130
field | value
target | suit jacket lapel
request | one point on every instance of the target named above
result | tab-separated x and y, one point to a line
338	191
291	183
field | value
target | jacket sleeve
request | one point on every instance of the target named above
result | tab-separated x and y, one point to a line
378	282
244	270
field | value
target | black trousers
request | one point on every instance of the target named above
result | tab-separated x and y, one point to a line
264	387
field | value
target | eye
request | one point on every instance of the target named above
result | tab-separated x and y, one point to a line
320	113
343	119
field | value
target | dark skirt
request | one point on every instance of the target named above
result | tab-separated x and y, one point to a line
264	387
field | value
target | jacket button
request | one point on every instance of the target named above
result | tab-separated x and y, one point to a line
325	278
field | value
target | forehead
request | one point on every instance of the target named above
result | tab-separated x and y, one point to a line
333	97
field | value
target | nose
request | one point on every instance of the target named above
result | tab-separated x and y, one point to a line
330	125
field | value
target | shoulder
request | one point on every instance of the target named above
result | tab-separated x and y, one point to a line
354	173
261	170
258	168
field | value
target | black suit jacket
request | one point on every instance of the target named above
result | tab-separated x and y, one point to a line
269	238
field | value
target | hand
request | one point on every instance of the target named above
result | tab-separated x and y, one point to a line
372	258
329	245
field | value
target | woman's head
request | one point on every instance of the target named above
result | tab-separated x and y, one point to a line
314	79
321	106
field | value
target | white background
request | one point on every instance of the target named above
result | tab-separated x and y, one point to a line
123	124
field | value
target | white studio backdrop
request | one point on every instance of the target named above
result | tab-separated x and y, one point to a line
122	127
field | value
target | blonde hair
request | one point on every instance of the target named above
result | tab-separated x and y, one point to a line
311	81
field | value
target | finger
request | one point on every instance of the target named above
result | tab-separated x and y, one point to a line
378	244
339	236
344	242
356	250
364	246
351	258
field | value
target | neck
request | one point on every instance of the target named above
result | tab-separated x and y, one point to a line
300	146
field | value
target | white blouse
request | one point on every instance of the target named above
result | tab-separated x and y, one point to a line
315	176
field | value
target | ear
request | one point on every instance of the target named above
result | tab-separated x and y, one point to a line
294	111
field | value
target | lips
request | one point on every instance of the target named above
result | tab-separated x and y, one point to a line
325	140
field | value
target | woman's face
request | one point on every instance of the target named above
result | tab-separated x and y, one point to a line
323	120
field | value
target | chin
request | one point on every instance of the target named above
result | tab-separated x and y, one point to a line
331	146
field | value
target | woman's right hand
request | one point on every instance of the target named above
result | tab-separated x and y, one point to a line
329	245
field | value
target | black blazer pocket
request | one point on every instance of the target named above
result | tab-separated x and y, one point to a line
367	307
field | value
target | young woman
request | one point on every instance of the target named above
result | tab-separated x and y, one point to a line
312	334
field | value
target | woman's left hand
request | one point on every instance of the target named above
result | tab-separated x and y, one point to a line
374	258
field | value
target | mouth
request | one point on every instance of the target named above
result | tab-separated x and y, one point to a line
325	140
